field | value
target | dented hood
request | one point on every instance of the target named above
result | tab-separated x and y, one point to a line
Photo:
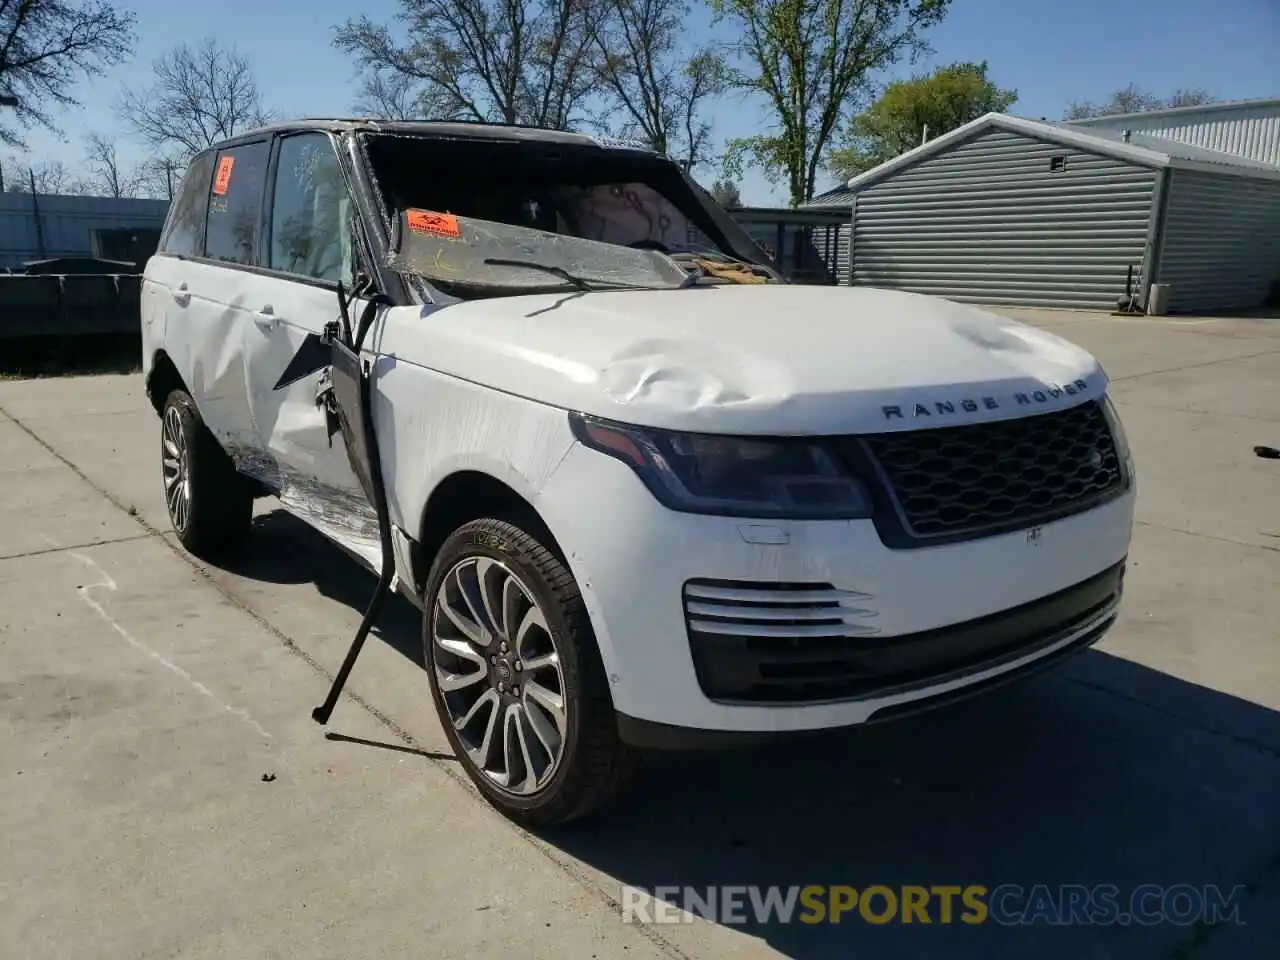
782	359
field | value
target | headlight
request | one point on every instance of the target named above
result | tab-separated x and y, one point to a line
1118	435
797	479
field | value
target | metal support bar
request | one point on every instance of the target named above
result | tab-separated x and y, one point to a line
1155	234
853	236
35	213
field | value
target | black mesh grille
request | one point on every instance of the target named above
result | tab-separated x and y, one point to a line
1011	473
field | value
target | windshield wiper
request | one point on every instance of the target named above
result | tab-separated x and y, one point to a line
550	268
581	283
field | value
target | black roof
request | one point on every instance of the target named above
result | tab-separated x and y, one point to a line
436	128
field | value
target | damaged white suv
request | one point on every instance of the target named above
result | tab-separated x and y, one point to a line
646	492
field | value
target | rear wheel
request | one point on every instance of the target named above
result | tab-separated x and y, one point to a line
209	503
517	677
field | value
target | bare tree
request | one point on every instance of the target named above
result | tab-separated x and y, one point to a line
1132	99
199	96
46	46
390	96
508	61
108	177
659	93
49	176
1190	98
160	175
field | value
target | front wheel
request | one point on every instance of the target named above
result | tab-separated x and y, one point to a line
517	677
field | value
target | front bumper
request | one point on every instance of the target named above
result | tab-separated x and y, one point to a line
950	664
737	669
930	624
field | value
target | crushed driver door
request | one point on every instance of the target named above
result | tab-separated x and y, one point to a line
348	400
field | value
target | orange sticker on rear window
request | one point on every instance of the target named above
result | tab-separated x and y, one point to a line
223	180
437	224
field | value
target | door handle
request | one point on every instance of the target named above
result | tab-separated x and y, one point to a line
181	296
265	318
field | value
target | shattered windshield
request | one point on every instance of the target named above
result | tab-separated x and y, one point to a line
482	217
485	253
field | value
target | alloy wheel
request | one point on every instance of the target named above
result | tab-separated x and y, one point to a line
175	466
499	674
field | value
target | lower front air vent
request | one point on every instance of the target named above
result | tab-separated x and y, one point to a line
809	643
776	610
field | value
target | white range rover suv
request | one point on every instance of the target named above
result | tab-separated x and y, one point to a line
646	492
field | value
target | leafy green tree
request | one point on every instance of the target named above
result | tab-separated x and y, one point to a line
909	110
810	61
726	193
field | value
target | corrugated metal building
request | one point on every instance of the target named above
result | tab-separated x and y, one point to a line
1007	210
1245	128
40	226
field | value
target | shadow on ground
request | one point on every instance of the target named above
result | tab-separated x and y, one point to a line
286	550
1102	772
1055	781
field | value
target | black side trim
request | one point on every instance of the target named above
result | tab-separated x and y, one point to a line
313	355
913	707
651	735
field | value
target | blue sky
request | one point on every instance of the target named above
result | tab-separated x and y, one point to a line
1051	52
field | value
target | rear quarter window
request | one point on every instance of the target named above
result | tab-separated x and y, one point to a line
184	228
235	203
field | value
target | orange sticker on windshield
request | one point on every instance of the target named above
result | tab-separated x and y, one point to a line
436	224
223	180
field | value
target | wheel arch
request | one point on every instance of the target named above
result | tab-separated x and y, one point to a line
465	495
162	379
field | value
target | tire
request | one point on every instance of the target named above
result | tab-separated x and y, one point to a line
210	505
467	665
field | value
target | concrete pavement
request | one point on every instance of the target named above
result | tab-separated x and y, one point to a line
164	793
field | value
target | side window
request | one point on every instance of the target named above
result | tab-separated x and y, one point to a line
184	228
235	199
312	218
